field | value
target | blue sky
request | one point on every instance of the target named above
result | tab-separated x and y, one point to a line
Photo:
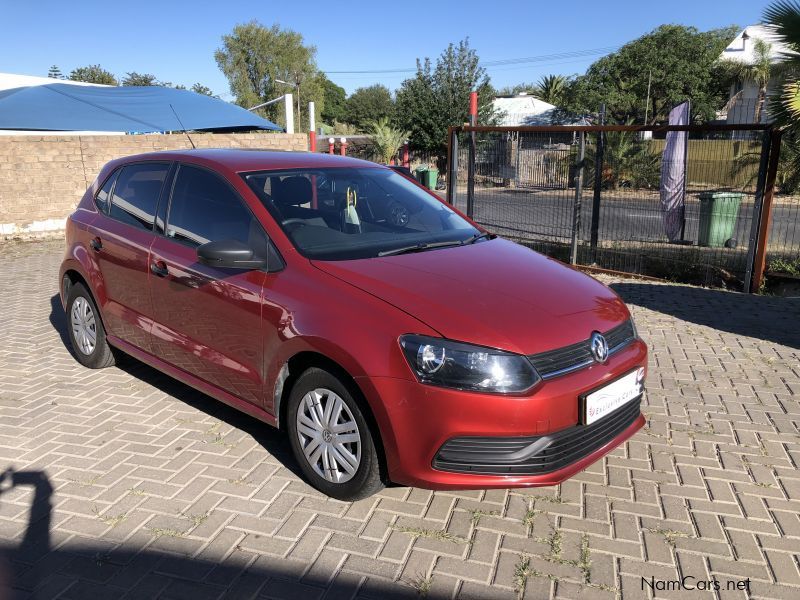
175	40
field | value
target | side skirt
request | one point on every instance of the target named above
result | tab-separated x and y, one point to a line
195	382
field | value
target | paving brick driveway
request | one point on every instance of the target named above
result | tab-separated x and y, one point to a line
128	484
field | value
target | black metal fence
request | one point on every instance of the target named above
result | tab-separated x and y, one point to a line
593	196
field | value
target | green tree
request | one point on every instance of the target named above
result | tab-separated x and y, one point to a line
254	58
335	98
676	63
628	161
367	105
784	16
55	73
438	97
93	74
199	88
514	90
386	139
551	89
140	79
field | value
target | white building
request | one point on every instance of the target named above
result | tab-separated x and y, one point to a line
743	96
523	109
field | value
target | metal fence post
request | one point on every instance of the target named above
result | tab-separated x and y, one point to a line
576	213
598	183
471	176
758	204
452	165
759	262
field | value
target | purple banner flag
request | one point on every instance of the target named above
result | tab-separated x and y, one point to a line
673	173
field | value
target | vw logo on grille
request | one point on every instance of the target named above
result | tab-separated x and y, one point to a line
599	347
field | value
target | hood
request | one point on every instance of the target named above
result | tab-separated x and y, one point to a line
494	293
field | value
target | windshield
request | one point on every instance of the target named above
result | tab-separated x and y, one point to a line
347	213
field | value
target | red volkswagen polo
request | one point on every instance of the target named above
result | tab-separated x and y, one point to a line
391	338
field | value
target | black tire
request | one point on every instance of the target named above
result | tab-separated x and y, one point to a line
101	355
367	478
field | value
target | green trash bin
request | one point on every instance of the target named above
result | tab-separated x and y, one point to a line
718	214
427	176
419	173
431	177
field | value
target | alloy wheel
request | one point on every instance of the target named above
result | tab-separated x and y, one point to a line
329	435
84	326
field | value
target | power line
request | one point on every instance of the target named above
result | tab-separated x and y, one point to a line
494	63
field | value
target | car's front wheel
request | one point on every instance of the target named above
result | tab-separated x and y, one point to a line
86	332
331	439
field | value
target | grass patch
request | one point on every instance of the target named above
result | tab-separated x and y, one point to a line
670	535
422	584
477	515
111	520
436	534
86	482
166	532
195	520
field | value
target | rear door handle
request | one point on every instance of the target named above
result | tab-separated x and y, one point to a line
96	244
159	268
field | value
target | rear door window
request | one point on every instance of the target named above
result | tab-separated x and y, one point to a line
136	194
204	208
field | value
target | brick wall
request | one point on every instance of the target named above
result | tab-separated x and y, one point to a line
42	178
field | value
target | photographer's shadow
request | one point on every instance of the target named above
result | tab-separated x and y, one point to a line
16	562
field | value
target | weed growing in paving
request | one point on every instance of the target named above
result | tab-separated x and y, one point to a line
422	583
436	534
113	521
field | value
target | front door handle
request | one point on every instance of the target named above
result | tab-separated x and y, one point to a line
96	244
159	268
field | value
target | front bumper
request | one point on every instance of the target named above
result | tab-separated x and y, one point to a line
419	422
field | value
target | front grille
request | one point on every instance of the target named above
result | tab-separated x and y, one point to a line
571	358
533	455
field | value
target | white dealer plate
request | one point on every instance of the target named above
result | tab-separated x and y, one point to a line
609	398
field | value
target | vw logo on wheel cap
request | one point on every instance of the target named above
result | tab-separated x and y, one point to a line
599	347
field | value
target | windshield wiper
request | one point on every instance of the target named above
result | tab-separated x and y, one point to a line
419	247
479	236
422	246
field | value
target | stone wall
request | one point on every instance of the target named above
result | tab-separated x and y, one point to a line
42	178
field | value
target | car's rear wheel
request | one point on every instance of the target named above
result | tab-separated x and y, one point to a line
86	332
331	438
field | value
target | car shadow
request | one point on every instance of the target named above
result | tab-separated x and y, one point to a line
58	319
768	318
81	568
271	439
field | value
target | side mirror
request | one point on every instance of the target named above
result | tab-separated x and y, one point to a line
230	254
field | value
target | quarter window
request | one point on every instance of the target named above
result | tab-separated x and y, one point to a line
205	209
103	197
136	194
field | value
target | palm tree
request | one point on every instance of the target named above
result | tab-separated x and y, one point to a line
758	71
628	161
551	89
784	16
386	139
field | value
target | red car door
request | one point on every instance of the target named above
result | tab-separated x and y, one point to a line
207	320
122	235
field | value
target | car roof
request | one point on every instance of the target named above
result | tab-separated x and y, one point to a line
239	160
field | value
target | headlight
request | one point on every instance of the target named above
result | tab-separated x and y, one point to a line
465	367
